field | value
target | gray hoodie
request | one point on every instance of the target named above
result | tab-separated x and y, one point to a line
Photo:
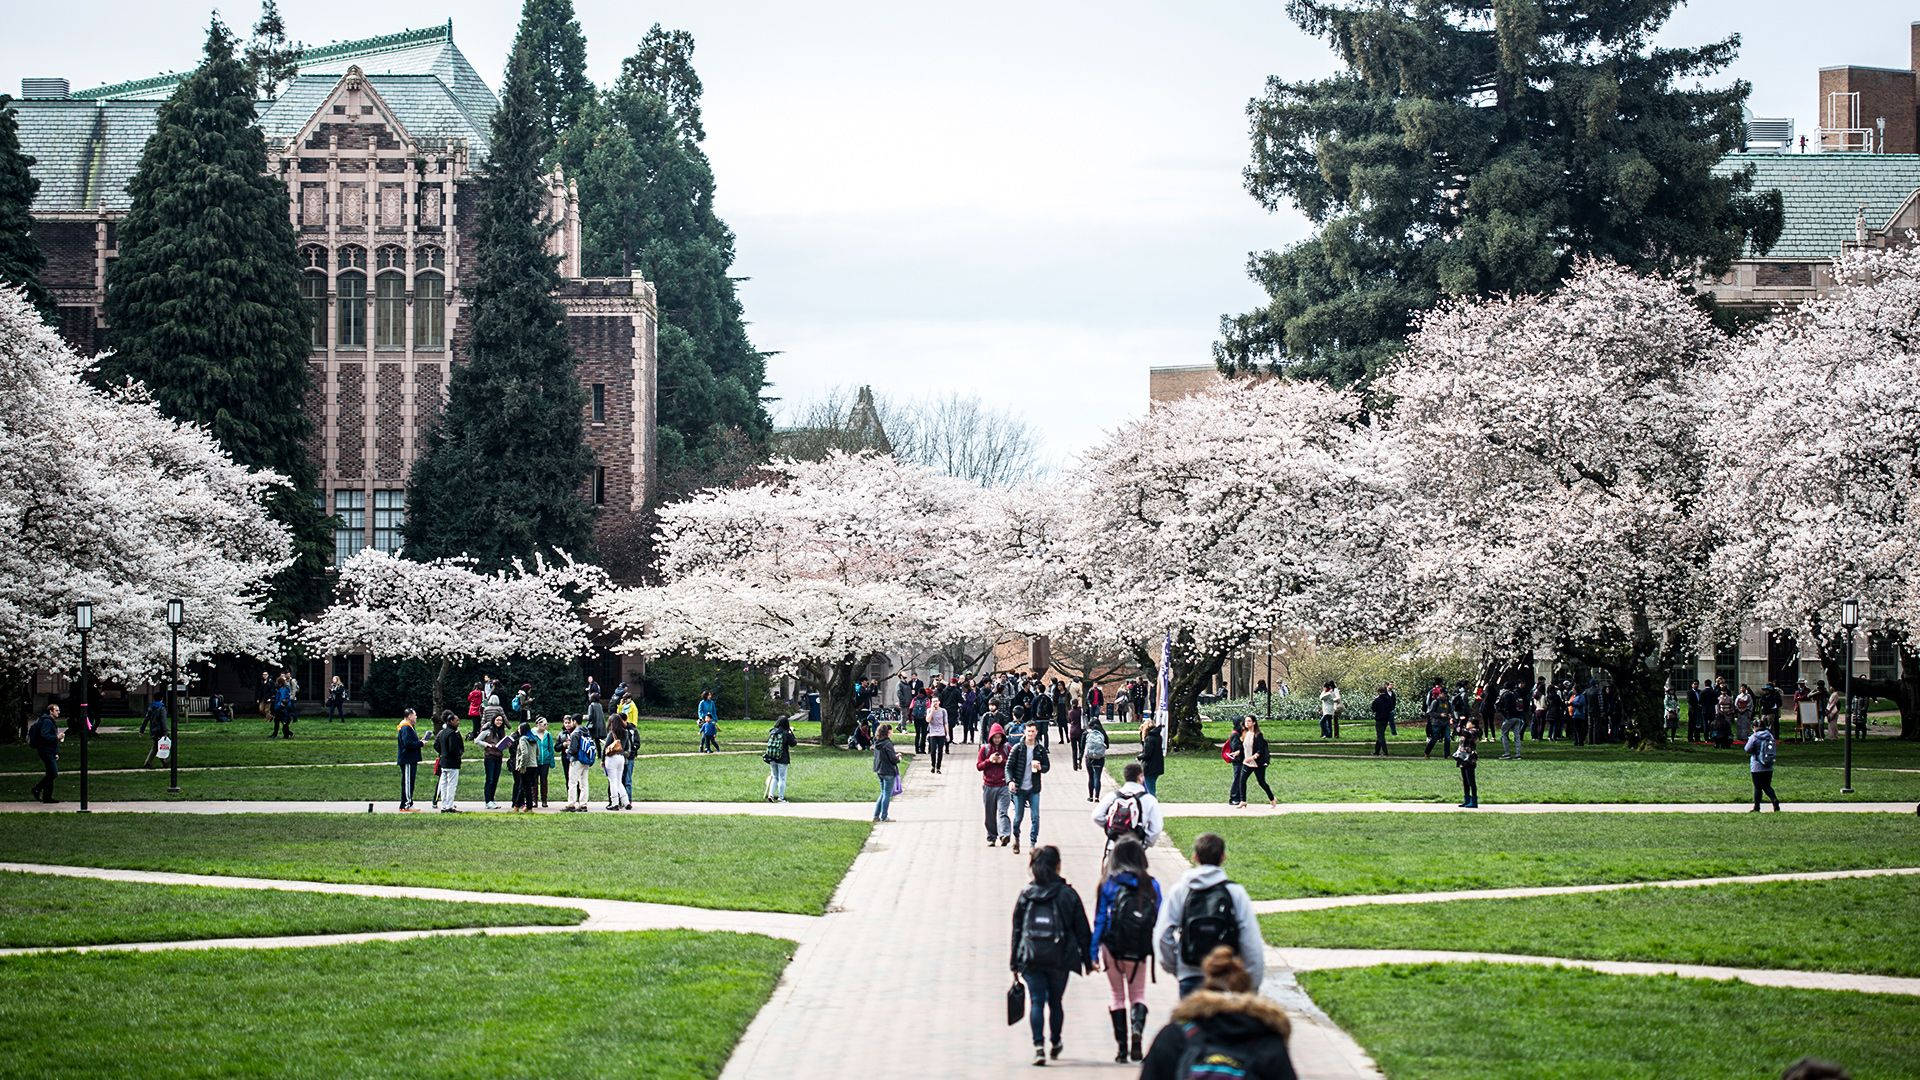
1166	930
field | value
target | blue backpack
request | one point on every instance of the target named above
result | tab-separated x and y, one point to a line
587	751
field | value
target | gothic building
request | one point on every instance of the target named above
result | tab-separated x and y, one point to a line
378	142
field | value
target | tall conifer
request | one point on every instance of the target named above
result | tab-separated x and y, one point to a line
551	35
203	304
505	471
20	258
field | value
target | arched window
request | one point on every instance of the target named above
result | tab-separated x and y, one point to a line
313	289
351	323
429	258
390	310
429	311
390	258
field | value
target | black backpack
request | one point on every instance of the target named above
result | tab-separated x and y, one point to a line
1208	922
1129	932
1043	933
1204	1059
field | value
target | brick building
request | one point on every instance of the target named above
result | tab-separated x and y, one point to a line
378	142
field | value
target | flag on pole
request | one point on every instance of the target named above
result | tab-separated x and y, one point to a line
1161	712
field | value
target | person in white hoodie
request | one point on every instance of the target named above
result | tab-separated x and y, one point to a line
1203	911
1139	814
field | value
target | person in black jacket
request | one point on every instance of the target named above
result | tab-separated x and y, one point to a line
409	758
1241	1032
44	736
448	746
1051	939
1383	706
1153	756
1025	766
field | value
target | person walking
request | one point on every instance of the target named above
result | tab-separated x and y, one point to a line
991	761
886	766
448	746
1382	707
1153	755
1439	710
1254	756
1513	722
778	756
1093	749
543	742
1237	1032
1205	911
937	727
44	735
1762	750
1125	911
493	742
283	707
1051	940
1468	758
1130	811
618	797
1076	732
708	709
263	701
154	725
409	758
1329	711
1025	767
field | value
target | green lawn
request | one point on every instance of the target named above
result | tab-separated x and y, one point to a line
43	910
485	1007
1481	1021
1608	775
1852	924
817	775
752	863
1369	853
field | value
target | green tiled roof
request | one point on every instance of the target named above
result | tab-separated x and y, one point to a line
1822	194
89	145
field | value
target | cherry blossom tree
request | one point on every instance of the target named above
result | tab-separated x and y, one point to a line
814	570
447	611
1814	452
1549	450
1218	516
107	500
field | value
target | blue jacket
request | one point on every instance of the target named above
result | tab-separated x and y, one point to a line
409	745
1103	906
708	709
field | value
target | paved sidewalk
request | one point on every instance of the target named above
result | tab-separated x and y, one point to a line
601	914
918	938
1322	903
859	811
1221	809
1324	959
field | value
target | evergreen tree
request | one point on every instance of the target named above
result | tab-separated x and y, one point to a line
203	304
656	216
551	35
504	472
273	59
20	258
1468	151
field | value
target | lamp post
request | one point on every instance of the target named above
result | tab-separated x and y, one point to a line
1849	618
176	616
83	622
746	698
1269	679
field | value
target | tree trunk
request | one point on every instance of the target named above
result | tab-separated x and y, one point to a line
1904	691
834	684
439	692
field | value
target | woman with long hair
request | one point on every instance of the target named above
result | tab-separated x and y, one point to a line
1050	941
1253	758
1124	914
1242	1033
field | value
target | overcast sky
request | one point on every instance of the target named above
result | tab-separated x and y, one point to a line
1035	202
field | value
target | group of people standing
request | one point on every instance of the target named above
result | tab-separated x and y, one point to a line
528	751
1719	714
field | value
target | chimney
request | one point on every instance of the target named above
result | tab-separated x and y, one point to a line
46	88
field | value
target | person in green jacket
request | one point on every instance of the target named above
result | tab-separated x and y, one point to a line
544	740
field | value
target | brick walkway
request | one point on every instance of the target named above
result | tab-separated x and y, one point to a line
918	937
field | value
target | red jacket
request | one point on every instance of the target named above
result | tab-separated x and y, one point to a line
993	774
473	703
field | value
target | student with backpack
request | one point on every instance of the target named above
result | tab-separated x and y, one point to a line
579	752
1050	940
1125	912
778	755
1204	911
1762	750
448	745
1094	753
1223	1029
1131	811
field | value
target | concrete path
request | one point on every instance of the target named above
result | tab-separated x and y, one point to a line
1323	903
921	929
835	811
601	914
1221	809
1324	959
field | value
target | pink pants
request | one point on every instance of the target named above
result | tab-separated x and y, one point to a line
1127	979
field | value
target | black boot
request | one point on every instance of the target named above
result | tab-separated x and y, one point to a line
1119	1018
1139	1028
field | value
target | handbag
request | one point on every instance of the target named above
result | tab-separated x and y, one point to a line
898	787
1016	1001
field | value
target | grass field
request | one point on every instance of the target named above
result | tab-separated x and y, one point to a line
751	863
817	775
1842	925
1367	853
1475	1021
486	1007
43	910
1608	775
